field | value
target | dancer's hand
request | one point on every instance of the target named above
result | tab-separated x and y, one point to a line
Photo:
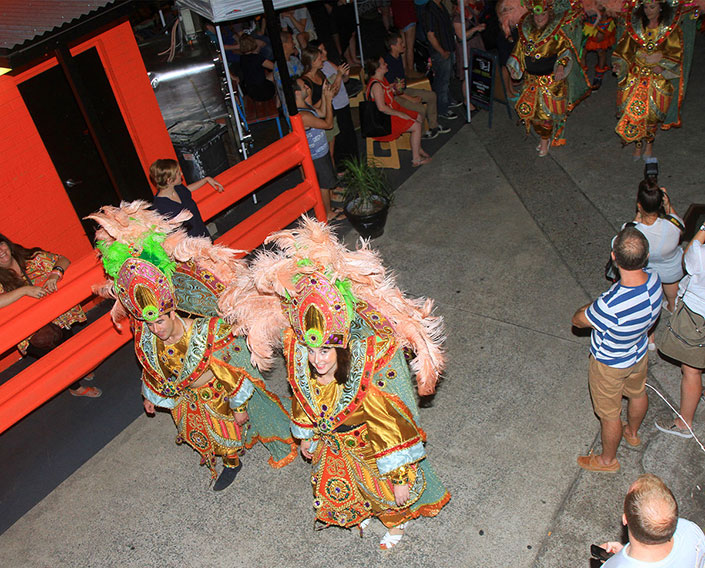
35	291
241	418
305	449
148	407
401	494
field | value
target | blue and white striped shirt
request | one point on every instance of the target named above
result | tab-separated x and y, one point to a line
621	318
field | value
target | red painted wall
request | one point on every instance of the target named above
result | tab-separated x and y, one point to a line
35	208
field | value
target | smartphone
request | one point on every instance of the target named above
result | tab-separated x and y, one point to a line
599	552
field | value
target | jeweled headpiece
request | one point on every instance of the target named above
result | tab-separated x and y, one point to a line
142	271
321	311
144	290
537	6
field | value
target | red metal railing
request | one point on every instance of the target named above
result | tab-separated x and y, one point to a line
82	353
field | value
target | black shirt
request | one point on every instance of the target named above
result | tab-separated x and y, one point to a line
195	227
437	20
396	68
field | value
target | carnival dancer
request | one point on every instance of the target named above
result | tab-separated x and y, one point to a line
345	327
599	31
192	365
546	56
652	61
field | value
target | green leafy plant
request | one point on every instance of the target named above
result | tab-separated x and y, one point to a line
367	188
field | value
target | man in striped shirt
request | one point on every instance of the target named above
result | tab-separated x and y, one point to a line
620	320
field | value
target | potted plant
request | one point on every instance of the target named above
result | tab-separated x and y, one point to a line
367	197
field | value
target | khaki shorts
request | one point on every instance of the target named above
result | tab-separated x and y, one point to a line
608	385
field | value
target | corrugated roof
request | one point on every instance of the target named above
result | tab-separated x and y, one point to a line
23	21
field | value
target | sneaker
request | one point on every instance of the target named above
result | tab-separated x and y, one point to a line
442	129
450	115
455	104
431	134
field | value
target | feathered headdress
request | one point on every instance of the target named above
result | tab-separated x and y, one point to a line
303	255
134	230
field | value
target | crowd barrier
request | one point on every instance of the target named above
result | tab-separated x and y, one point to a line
83	352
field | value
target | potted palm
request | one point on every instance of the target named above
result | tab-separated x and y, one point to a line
367	197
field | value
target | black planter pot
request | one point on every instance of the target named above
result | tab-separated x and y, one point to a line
369	225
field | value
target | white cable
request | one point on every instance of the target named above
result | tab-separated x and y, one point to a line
679	416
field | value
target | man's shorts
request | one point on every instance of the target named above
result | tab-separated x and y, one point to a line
608	385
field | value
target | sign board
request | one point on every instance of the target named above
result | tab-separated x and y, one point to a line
483	82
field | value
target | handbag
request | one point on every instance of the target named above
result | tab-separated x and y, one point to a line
373	122
611	268
683	327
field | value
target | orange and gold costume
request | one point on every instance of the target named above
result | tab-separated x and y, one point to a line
365	433
204	416
645	92
545	100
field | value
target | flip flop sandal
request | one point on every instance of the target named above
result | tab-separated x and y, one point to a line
421	162
673	430
90	392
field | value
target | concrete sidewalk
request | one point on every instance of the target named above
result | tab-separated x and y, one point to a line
509	245
504	430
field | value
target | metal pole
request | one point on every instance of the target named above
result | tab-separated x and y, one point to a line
236	116
465	59
359	35
274	32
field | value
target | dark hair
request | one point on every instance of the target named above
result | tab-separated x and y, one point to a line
315	43
371	65
308	56
651	510
650	197
9	279
392	37
342	371
663	16
631	249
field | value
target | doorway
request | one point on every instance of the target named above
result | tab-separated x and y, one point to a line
90	180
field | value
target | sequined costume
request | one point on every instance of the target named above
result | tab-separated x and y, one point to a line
204	416
366	437
155	269
363	426
545	100
653	66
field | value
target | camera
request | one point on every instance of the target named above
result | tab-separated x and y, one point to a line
651	168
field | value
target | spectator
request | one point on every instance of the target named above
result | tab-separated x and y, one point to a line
312	59
404	14
293	64
36	273
403	120
346	141
657	536
316	124
620	320
688	321
473	29
421	101
344	14
441	39
661	225
374	23
255	68
301	25
173	196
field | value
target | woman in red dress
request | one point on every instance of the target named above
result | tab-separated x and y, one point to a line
403	120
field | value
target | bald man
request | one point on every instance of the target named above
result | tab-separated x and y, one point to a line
657	537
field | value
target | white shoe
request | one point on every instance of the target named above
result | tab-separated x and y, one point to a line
363	525
673	430
389	541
